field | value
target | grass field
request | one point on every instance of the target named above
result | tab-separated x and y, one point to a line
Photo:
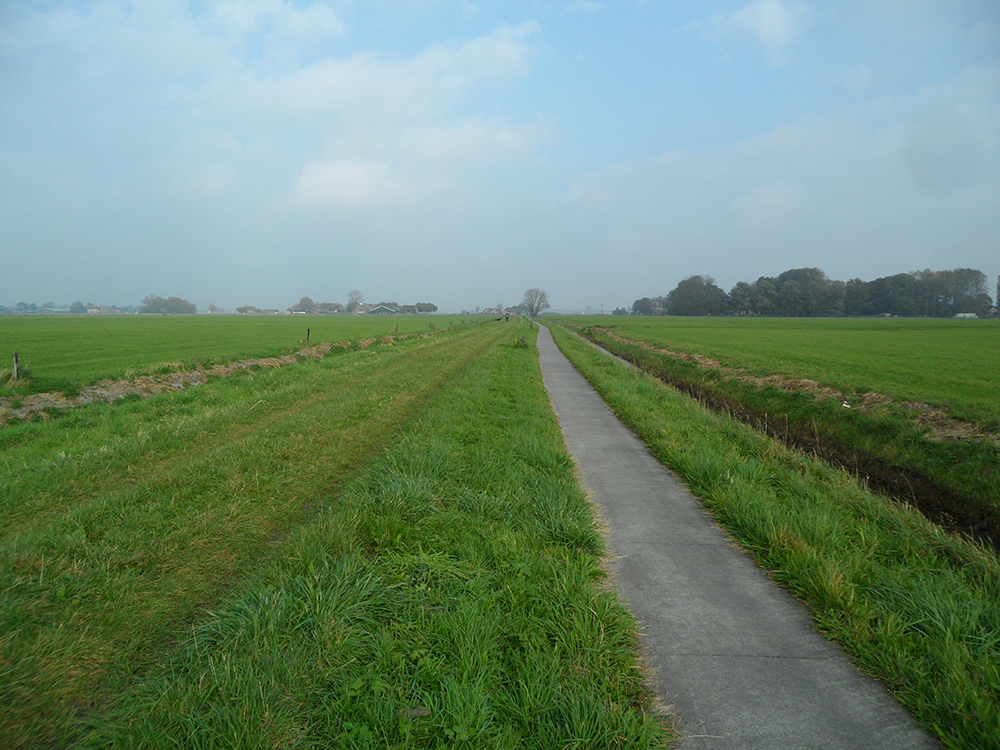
64	352
382	548
387	547
954	364
914	606
922	413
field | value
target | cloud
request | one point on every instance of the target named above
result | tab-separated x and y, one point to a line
943	153
353	184
901	182
246	115
273	31
950	139
773	24
373	112
770	205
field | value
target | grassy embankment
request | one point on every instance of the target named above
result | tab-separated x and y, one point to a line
62	353
209	568
923	415
914	606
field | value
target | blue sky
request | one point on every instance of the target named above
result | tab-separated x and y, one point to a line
461	152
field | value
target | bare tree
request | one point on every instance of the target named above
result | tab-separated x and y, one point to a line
354	298
535	300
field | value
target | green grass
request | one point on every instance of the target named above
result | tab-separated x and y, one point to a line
383	548
914	606
948	363
64	352
957	482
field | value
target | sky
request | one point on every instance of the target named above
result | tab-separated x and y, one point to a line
460	151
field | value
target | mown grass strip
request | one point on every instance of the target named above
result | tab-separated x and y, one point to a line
121	521
451	596
914	606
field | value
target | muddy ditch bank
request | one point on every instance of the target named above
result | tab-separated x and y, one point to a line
950	509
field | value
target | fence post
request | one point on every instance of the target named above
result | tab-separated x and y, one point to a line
15	365
308	333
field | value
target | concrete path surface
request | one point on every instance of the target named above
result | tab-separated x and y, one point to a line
732	653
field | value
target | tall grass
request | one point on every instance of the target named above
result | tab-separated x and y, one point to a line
914	606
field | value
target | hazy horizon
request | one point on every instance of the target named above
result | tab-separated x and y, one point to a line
461	152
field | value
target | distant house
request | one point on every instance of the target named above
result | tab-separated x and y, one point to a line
383	310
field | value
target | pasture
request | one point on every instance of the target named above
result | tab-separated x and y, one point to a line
383	547
909	405
387	546
953	364
66	351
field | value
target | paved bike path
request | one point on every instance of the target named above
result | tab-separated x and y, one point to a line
734	655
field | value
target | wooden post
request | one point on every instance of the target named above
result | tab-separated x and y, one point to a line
15	365
308	333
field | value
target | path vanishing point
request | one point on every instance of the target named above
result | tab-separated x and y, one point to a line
734	656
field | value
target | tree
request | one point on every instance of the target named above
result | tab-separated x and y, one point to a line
169	306
856	295
966	288
77	307
894	295
620	311
304	305
697	295
644	306
426	307
741	298
535	300
807	292
354	299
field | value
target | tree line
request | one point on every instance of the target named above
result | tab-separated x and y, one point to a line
808	292
355	299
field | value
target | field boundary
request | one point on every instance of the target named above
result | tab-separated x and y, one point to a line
144	386
940	425
958	512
